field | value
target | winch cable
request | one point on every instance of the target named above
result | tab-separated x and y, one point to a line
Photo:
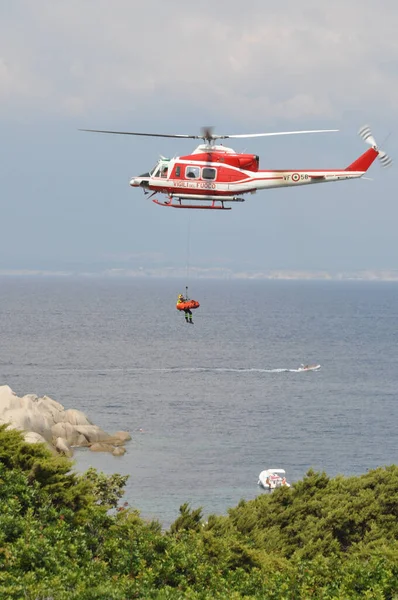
188	252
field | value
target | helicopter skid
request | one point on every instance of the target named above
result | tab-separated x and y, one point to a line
211	206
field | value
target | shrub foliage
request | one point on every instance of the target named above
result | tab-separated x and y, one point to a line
65	536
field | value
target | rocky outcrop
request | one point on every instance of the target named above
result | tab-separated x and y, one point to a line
46	421
119	451
123	436
62	446
101	447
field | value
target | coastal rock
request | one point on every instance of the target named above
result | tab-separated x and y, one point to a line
74	417
82	441
34	438
92	433
51	403
102	447
67	432
63	447
31	437
45	420
8	399
119	451
124	436
114	441
50	407
28	419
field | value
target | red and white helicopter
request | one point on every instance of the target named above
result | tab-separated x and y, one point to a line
214	174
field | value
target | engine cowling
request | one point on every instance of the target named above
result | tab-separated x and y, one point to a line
250	162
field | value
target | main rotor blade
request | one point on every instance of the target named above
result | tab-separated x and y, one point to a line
207	135
250	135
165	135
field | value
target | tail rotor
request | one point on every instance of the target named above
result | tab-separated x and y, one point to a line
385	160
366	134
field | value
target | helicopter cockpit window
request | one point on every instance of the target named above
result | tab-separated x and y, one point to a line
192	172
156	172
163	171
208	173
153	171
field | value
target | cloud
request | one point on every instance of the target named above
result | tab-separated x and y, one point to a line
285	60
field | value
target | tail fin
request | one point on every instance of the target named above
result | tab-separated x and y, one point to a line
364	161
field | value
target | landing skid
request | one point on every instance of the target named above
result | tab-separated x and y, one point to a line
212	206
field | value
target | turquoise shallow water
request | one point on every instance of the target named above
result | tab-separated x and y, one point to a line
219	401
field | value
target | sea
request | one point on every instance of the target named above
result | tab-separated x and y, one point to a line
211	405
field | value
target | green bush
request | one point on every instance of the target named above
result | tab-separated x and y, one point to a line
65	536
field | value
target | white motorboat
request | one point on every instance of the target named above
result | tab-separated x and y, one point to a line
309	368
272	478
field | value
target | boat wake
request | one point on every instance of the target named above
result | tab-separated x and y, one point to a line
230	370
192	370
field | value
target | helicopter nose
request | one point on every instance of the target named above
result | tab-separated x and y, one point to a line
134	182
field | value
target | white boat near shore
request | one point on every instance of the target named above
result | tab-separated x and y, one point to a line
271	479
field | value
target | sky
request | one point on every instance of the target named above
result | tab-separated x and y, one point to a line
174	67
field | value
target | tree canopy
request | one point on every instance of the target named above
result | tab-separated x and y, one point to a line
65	536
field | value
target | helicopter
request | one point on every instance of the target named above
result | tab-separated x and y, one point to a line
214	174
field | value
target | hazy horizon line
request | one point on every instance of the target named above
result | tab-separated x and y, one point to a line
214	273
